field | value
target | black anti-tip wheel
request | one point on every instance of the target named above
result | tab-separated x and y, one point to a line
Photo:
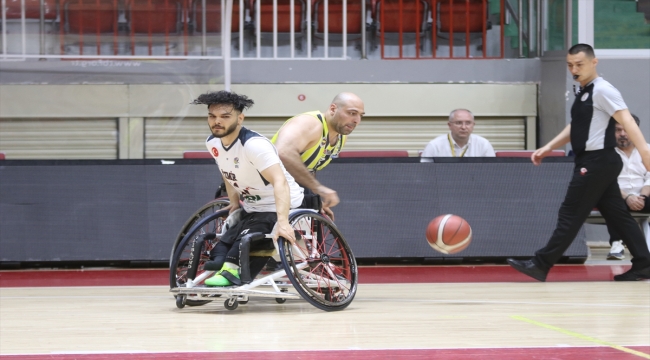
231	304
180	301
280	300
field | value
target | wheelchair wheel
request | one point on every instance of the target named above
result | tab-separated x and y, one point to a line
194	250
328	275
205	210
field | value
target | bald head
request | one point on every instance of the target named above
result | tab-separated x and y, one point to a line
346	98
345	112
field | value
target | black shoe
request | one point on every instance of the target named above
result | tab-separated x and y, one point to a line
529	268
634	275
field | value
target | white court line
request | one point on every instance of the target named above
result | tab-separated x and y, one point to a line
357	299
500	302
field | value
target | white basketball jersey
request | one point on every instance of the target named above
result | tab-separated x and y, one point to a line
242	163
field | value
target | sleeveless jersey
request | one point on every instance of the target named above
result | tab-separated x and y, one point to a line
242	163
319	155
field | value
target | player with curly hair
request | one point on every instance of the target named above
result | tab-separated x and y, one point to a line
252	171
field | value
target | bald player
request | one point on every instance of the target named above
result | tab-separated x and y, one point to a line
308	142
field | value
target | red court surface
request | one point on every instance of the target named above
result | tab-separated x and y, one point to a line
573	353
367	275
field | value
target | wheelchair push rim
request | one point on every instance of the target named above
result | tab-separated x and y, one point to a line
320	265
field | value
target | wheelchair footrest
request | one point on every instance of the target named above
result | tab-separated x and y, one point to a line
233	291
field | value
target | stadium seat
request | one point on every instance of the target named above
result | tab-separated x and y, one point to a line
461	16
412	19
213	16
373	153
32	9
2	156
155	18
284	13
355	23
86	21
197	154
460	22
525	153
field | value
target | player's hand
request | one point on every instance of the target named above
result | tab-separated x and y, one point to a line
283	229
232	208
539	154
635	203
327	212
330	197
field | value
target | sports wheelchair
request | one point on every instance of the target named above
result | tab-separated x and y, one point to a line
320	265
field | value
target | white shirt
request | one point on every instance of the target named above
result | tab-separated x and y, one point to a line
476	146
634	175
242	163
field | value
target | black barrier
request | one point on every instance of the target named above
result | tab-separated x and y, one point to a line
88	211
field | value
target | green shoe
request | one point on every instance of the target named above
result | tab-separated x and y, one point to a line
220	279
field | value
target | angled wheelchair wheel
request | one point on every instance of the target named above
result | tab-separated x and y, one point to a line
194	250
205	210
321	265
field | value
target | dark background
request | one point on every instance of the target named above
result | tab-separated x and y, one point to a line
130	211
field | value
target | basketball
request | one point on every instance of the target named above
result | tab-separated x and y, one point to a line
449	234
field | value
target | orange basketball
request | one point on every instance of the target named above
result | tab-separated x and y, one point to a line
449	234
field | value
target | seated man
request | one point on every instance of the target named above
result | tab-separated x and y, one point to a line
634	181
459	141
308	142
251	169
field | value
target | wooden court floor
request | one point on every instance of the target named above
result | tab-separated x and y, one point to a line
508	317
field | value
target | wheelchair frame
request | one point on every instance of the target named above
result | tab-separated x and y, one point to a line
325	266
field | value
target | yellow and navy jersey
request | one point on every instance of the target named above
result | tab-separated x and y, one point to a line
319	155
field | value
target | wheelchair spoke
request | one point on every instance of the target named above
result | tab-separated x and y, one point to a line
329	280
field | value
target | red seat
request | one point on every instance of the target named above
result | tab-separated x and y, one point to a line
355	23
411	19
32	9
2	156
284	15
373	153
154	16
461	15
213	16
525	153
91	16
197	155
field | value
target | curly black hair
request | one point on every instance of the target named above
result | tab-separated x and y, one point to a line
238	102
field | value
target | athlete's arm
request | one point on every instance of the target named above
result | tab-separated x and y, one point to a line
274	175
561	139
233	196
294	138
625	118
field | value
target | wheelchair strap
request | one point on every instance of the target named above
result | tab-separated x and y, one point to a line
233	279
244	258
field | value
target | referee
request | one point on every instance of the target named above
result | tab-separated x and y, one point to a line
596	108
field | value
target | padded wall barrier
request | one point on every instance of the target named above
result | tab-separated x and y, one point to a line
133	210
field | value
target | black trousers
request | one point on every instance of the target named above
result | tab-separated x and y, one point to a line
228	248
594	184
613	234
